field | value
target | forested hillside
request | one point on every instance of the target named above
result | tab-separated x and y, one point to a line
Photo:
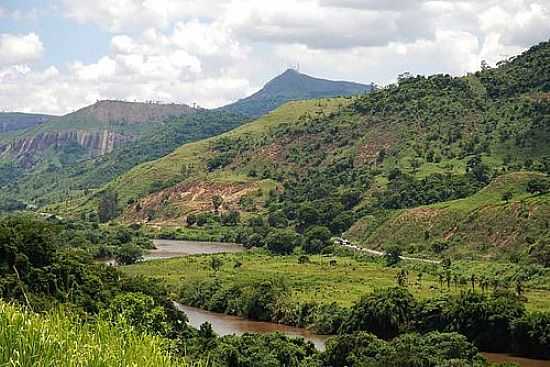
329	163
83	150
59	179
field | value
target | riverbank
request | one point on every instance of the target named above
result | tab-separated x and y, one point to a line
223	325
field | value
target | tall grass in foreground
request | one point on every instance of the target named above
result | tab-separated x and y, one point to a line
56	340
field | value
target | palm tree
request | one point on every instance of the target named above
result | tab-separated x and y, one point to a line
419	279
519	288
495	282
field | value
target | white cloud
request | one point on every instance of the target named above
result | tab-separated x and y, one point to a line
132	15
216	51
153	65
19	49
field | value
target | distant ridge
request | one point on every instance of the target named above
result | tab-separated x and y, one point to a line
88	132
132	112
293	85
12	121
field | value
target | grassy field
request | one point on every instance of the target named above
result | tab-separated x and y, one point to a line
343	283
28	339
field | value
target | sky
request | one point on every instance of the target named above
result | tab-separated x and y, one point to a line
59	55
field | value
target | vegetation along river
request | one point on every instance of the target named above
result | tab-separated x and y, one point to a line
226	324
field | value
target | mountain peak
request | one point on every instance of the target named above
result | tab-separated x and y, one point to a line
292	85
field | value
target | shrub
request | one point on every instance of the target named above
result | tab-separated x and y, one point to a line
385	313
282	241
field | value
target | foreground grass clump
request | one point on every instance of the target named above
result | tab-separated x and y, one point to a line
28	339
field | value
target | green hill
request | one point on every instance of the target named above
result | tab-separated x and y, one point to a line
481	224
81	151
423	141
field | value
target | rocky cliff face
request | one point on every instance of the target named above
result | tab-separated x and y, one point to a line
88	132
27	150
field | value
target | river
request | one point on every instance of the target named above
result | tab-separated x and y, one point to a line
227	325
166	249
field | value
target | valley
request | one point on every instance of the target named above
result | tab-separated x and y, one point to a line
315	223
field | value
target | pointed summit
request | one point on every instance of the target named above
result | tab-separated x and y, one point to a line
293	85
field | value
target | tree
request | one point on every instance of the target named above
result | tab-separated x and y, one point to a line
231	218
507	196
140	311
478	170
277	219
484	320
402	278
191	219
107	206
385	313
308	215
255	240
129	254
431	349
392	255
350	198
538	186
341	223
215	263
539	252
530	334
316	239
282	242
217	202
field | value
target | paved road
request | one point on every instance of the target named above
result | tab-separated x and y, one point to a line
380	253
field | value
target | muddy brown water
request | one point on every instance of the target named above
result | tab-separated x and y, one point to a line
523	362
233	325
228	325
166	249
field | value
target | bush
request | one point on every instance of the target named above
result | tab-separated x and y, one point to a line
316	239
538	186
385	313
531	335
282	242
430	350
392	255
277	219
140	311
129	254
